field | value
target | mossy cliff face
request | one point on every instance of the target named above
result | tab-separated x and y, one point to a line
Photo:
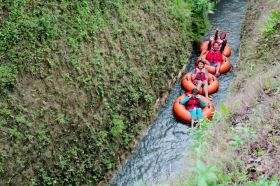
79	80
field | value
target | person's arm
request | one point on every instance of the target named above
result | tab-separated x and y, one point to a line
194	72
185	100
209	46
205	59
206	73
202	104
216	34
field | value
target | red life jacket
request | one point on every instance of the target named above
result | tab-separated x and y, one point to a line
193	103
214	56
200	76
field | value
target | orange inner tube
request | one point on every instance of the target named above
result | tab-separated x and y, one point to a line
226	52
213	83
184	115
225	65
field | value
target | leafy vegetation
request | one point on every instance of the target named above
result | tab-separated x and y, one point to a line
79	80
273	24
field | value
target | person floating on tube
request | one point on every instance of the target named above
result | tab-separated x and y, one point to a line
194	105
200	78
214	58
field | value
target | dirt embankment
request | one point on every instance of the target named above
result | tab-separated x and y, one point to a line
258	77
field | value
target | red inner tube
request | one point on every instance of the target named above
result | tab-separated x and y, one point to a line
225	65
213	84
183	115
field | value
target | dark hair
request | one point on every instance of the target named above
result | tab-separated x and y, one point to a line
223	46
200	61
195	91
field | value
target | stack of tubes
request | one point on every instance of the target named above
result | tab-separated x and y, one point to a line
213	61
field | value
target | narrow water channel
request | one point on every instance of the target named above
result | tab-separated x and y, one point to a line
161	150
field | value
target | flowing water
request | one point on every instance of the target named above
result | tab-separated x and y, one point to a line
160	152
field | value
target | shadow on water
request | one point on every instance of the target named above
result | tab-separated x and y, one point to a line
161	150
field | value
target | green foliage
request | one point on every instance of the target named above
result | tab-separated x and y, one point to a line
182	10
211	6
8	76
267	84
224	109
206	174
237	142
273	23
117	126
183	60
263	181
200	9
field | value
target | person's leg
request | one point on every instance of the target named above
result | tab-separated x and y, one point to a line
205	87
193	116
218	66
199	85
199	114
192	123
